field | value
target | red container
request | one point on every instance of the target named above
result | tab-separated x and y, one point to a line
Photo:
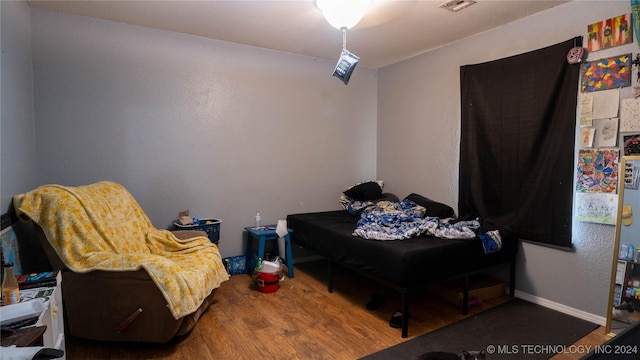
268	282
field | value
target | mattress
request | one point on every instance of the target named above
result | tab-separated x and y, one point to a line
408	263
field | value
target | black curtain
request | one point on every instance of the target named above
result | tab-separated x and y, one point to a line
517	143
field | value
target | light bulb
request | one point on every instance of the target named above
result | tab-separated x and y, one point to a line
343	14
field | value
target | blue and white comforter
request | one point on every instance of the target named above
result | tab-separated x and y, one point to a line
406	219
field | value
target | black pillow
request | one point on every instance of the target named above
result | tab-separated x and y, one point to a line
365	191
434	208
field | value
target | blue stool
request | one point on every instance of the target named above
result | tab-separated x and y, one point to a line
264	234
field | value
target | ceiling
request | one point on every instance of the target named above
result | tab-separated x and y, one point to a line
390	31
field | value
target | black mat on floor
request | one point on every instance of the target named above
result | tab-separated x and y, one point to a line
514	330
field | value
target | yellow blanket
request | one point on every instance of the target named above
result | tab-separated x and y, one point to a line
102	227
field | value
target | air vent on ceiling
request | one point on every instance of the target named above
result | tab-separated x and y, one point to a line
456	5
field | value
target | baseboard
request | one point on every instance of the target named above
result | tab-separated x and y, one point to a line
596	319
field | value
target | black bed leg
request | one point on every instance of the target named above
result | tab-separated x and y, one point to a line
465	295
330	282
512	278
405	312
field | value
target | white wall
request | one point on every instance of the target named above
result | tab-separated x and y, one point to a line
225	130
419	135
17	128
186	122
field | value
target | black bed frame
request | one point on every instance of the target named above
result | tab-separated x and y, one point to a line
406	291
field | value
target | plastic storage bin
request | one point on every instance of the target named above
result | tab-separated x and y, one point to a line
210	225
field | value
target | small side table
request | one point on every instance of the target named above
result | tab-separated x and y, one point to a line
267	233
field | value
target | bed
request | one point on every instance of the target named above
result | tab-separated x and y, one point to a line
406	265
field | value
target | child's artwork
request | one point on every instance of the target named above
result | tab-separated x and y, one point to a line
609	33
604	74
630	115
596	208
631	144
586	137
10	250
607	132
635	10
597	171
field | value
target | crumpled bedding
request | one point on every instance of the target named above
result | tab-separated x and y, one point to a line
405	219
102	227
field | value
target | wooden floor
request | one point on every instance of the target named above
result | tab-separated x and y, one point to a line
302	320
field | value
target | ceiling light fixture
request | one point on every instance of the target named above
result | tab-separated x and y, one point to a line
343	15
457	5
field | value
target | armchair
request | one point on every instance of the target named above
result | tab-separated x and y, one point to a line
122	279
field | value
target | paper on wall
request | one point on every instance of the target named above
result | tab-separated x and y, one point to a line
596	208
605	103
586	110
607	132
630	115
586	137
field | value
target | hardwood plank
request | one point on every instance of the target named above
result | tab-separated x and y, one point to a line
584	345
302	320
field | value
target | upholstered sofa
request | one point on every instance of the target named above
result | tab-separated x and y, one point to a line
122	279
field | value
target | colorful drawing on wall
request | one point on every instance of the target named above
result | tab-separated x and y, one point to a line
631	144
604	74
596	208
586	137
609	33
635	10
597	171
10	249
